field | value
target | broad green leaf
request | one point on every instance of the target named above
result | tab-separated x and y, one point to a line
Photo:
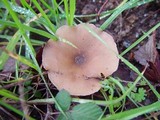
62	117
86	111
64	100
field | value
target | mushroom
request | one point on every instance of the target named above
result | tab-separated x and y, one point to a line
77	69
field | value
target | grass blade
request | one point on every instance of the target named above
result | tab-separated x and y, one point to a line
21	59
140	39
51	26
31	29
66	11
8	94
32	52
72	10
130	114
10	47
116	13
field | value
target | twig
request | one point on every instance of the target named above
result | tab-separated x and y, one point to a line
20	81
9	114
99	12
23	104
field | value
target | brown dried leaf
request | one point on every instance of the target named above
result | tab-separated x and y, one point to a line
8	69
147	53
10	65
152	72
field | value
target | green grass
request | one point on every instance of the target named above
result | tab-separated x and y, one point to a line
47	17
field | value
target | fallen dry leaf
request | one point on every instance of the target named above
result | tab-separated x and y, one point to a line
147	53
152	72
8	69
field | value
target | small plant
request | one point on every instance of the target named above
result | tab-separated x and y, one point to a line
137	94
85	111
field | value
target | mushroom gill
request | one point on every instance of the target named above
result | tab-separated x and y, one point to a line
77	69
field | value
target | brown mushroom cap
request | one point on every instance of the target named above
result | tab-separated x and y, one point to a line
77	69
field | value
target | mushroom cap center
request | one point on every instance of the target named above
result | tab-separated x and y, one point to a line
79	59
77	69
